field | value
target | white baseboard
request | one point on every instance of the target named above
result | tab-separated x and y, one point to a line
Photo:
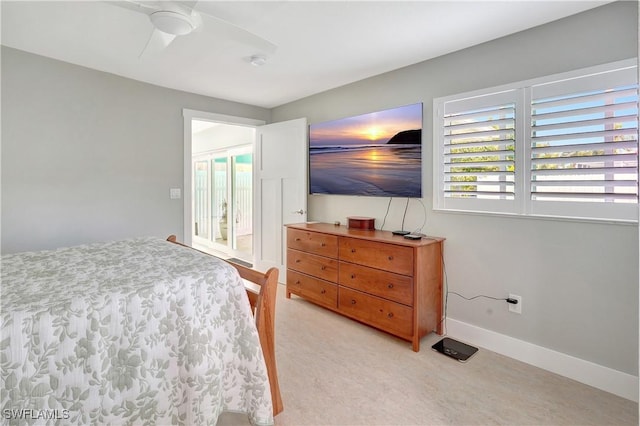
589	373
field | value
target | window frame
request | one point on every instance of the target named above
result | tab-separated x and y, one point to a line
523	204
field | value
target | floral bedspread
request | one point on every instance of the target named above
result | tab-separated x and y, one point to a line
140	331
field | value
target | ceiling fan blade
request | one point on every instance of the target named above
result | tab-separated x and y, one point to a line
227	30
157	42
150	6
137	6
198	20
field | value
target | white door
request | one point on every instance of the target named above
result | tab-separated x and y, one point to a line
280	189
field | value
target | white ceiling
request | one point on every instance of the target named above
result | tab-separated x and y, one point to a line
321	44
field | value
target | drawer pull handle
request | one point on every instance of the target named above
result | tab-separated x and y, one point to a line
390	315
390	285
298	282
353	276
323	291
323	244
353	302
297	260
353	250
323	267
390	257
297	239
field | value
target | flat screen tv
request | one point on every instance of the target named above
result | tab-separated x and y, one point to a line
376	154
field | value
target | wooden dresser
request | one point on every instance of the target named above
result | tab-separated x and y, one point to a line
375	277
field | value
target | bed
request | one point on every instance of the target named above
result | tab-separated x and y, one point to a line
141	331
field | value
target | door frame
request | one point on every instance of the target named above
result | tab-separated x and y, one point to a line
189	115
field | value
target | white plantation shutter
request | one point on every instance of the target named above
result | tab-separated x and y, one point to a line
478	152
584	146
565	145
584	143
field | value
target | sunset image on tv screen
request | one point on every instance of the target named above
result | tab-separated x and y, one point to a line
375	154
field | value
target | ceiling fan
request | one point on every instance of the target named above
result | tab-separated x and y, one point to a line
173	19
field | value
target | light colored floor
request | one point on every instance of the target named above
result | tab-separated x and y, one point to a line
244	245
334	371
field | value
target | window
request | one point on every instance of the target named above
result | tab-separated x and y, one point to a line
558	146
478	152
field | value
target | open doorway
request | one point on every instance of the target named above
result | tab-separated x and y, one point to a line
279	182
222	194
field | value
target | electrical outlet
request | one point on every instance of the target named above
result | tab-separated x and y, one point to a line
517	308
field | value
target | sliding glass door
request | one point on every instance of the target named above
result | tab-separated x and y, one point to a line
219	200
242	194
201	202
223	201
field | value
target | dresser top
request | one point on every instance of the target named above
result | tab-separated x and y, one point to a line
365	234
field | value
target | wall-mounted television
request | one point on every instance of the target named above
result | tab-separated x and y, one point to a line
375	154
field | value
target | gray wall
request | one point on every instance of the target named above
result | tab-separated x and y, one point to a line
578	280
90	156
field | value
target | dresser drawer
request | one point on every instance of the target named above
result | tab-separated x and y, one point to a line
314	242
387	285
388	257
384	314
318	266
313	289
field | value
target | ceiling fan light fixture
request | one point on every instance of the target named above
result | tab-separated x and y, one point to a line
258	60
172	22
